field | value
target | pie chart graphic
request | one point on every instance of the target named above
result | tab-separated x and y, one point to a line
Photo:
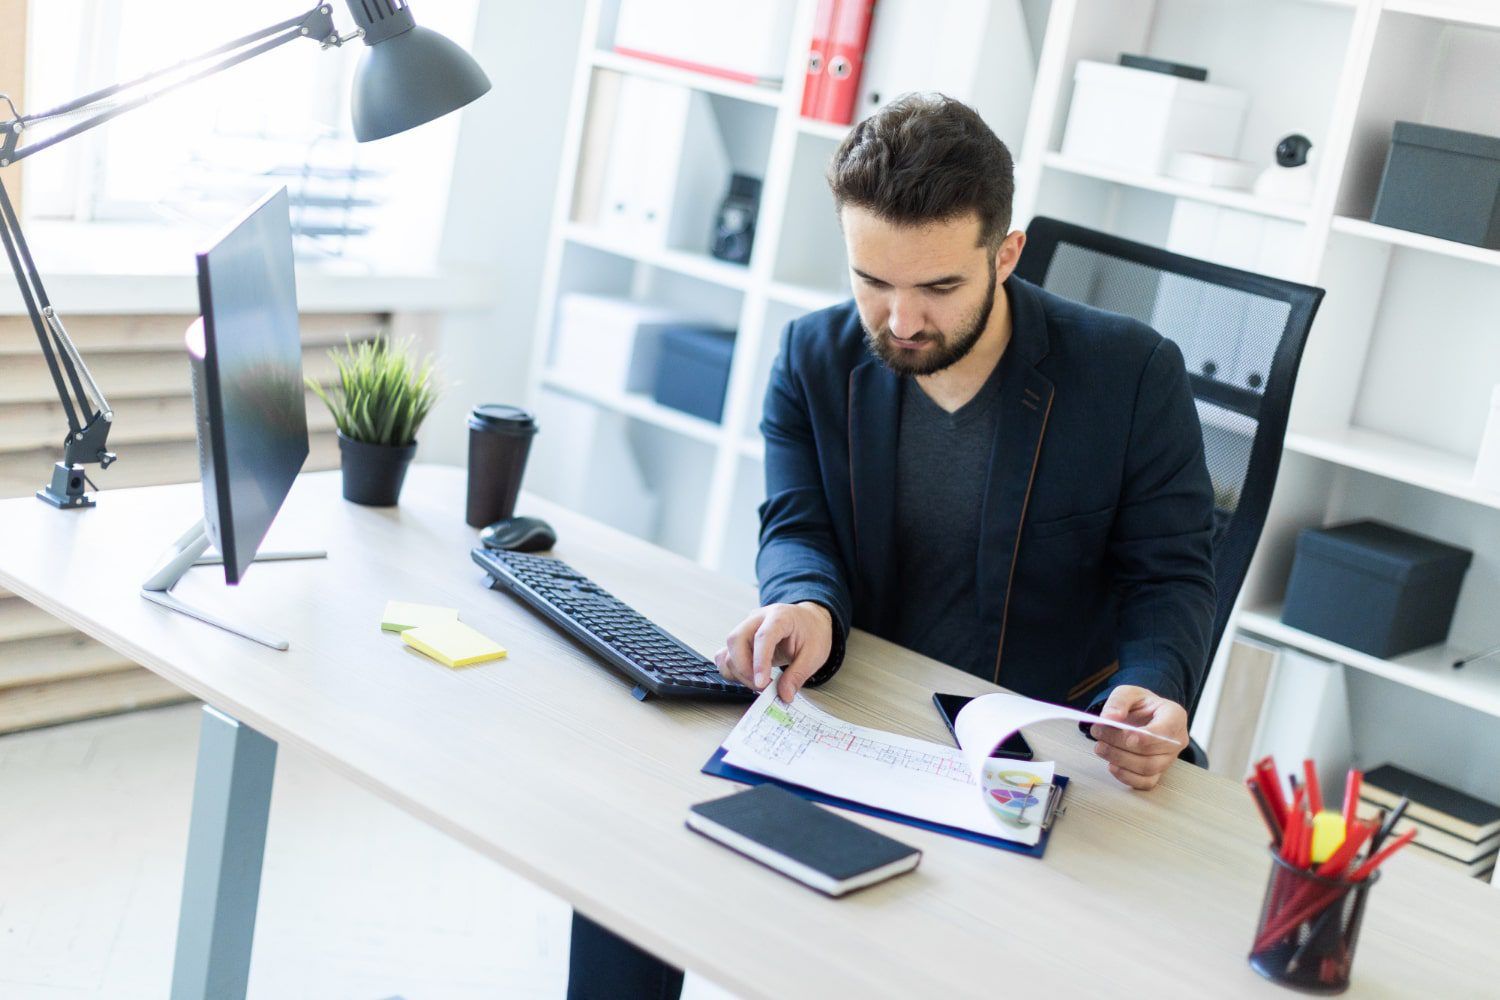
1006	798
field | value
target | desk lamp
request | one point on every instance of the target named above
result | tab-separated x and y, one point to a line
409	75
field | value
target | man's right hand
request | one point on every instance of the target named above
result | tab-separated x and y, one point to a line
798	637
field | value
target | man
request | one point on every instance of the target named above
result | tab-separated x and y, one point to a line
969	466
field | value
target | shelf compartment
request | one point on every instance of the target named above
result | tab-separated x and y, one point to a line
1414	241
638	406
692	265
1429	670
823	130
705	82
1242	200
1392	458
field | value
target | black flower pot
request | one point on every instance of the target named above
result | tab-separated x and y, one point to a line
373	473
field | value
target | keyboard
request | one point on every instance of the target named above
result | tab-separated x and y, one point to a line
657	661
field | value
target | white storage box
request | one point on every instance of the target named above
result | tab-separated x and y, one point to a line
608	344
1135	119
729	38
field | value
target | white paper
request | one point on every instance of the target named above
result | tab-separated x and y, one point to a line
984	723
801	744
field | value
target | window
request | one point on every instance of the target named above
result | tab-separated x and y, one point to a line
197	156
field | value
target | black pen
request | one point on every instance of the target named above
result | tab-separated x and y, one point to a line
1387	826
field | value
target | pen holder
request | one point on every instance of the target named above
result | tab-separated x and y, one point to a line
1308	928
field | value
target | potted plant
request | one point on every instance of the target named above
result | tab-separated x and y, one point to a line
380	399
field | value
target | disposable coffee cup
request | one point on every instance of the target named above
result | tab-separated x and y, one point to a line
499	441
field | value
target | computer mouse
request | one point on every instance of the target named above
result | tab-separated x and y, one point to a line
519	534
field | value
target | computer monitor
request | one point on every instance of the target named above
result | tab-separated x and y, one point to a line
246	355
245	351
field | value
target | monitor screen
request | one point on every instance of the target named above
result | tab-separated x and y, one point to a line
248	391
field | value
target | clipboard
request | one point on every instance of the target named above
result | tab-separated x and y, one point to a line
1055	807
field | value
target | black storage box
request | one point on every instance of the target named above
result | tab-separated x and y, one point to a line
1442	182
692	374
1374	588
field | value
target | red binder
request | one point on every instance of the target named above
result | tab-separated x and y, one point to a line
817	57
846	60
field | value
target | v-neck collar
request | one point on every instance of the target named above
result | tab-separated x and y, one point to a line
977	407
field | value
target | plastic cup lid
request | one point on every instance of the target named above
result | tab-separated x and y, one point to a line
500	417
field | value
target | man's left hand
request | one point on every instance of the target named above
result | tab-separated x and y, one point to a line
1134	758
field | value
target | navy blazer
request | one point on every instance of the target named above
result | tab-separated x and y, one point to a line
1094	567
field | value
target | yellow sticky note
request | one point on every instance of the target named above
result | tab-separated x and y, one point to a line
453	643
402	615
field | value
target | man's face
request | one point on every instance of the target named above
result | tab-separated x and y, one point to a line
924	293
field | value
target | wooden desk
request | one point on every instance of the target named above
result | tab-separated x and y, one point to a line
544	762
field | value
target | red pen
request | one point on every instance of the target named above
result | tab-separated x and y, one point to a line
1273	789
1351	797
1258	793
1364	870
1314	793
1267	795
1291	842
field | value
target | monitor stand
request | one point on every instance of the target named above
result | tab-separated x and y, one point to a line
186	553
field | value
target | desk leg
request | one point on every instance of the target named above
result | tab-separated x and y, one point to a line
226	845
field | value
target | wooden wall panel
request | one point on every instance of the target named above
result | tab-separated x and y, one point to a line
51	658
86	698
125	334
137	421
123	376
24	472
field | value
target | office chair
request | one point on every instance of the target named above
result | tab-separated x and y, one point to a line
1242	335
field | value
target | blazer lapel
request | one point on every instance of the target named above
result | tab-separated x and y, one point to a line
1026	397
874	421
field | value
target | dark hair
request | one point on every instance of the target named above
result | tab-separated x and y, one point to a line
926	158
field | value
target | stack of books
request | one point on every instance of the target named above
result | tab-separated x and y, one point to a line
1457	829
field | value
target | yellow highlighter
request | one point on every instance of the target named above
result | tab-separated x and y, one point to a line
1328	835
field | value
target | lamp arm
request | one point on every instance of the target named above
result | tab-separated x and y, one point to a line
35	299
316	24
88	413
89	443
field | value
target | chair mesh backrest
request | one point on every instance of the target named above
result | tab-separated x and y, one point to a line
1241	336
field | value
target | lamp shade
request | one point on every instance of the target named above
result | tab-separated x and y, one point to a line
407	79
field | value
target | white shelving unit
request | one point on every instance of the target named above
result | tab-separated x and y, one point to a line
1396	460
1395	383
1428	670
1241	200
797	266
1415	241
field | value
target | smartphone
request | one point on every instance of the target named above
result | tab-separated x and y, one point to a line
1015	746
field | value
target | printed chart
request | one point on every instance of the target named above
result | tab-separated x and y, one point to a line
802	744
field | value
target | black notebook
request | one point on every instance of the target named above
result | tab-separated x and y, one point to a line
803	841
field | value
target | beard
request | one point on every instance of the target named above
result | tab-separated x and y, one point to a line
946	349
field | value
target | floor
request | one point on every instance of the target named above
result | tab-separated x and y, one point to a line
358	899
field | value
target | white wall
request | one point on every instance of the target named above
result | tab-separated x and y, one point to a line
504	177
